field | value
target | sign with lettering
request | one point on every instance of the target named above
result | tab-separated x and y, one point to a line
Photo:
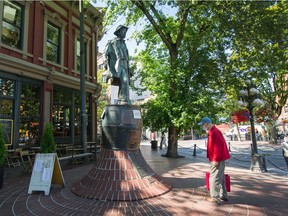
46	171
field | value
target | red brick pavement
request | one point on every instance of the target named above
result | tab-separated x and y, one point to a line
121	175
251	193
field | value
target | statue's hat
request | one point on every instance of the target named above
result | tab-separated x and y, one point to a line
118	29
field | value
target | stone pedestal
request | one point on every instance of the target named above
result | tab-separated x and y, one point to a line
121	173
258	163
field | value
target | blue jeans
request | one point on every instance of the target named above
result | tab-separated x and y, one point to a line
217	180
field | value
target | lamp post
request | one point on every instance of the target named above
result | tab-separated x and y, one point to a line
249	98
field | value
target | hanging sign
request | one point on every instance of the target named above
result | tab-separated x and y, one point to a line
46	171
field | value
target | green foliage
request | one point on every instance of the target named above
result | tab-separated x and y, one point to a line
2	147
102	100
265	114
259	38
198	54
48	144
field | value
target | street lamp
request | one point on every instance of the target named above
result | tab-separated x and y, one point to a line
249	98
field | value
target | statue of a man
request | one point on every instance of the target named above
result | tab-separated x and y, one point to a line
117	60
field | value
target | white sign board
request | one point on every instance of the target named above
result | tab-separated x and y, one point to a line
46	171
136	114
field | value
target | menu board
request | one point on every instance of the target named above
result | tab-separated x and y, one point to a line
46	171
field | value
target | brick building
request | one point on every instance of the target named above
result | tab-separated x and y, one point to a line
40	70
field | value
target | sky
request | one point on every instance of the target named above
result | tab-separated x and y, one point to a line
131	46
109	33
130	42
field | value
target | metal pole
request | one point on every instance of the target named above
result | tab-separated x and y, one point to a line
194	152
251	119
82	81
253	135
256	159
264	163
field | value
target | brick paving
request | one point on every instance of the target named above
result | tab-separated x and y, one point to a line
251	193
121	175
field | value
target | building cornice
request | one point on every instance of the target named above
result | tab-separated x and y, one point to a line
23	68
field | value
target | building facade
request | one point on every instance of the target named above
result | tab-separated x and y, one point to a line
40	70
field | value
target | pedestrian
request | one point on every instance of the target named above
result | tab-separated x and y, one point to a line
285	149
217	154
264	134
257	134
163	140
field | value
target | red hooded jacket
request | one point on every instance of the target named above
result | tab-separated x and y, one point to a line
216	148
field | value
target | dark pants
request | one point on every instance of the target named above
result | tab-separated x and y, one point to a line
286	159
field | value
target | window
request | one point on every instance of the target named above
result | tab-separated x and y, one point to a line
7	87
6	108
29	114
66	114
78	57
53	43
12	24
62	112
77	115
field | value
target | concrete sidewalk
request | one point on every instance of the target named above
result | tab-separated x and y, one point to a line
251	193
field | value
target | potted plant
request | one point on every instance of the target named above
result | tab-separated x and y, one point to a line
48	144
2	156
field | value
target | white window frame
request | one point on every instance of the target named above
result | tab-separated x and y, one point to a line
24	27
57	21
87	41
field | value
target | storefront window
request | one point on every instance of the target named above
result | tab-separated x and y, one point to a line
6	108
61	120
12	24
62	112
67	114
29	114
77	116
7	87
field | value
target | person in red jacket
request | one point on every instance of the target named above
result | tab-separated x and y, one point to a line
217	154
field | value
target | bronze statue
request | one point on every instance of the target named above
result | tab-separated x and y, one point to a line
117	60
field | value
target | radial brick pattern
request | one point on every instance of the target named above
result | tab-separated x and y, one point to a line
121	176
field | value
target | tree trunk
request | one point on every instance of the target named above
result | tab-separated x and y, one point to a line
172	151
238	133
273	137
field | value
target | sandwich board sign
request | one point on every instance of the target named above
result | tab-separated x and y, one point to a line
46	171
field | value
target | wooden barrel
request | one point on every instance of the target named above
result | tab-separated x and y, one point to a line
121	127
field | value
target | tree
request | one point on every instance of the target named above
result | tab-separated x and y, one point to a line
48	144
198	52
180	64
260	50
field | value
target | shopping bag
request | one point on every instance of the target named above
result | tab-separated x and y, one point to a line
227	182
